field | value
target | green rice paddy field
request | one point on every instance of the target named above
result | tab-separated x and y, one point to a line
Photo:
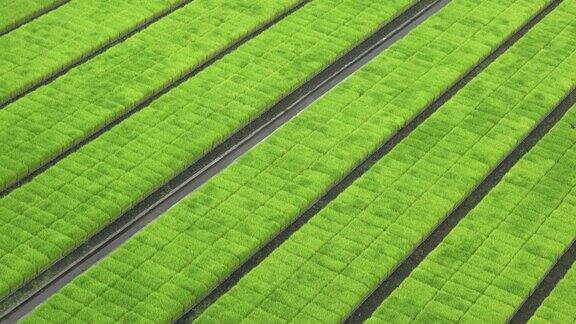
435	184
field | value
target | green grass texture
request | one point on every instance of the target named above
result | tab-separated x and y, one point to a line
183	255
15	12
46	122
497	255
326	269
72	200
560	306
41	48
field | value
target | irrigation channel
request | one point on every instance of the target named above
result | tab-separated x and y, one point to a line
99	50
33	293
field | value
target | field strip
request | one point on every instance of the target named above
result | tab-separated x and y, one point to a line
328	267
219	240
48	47
533	304
252	79
19	13
560	306
497	255
50	124
131	222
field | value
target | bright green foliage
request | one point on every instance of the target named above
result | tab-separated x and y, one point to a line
560	306
13	13
494	258
61	37
73	199
47	121
328	267
186	252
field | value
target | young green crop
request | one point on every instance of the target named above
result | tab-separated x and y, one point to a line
326	269
74	199
560	306
46	122
58	39
170	265
13	13
495	257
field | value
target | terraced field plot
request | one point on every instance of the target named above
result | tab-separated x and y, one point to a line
288	161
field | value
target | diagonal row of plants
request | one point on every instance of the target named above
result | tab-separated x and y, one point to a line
327	268
15	13
181	257
60	38
478	273
560	306
59	209
50	120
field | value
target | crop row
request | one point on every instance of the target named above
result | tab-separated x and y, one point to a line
13	13
560	306
170	265
495	257
46	122
75	198
43	47
335	261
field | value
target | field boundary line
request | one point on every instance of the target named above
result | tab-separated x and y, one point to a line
19	23
120	38
546	286
34	292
